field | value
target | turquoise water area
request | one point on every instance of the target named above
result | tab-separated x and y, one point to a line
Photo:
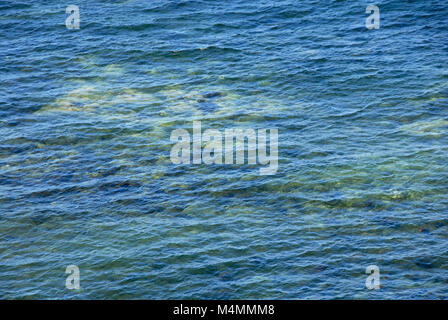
85	171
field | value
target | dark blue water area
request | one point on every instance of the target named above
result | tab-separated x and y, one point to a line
86	177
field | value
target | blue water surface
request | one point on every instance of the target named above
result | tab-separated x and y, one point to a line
86	177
